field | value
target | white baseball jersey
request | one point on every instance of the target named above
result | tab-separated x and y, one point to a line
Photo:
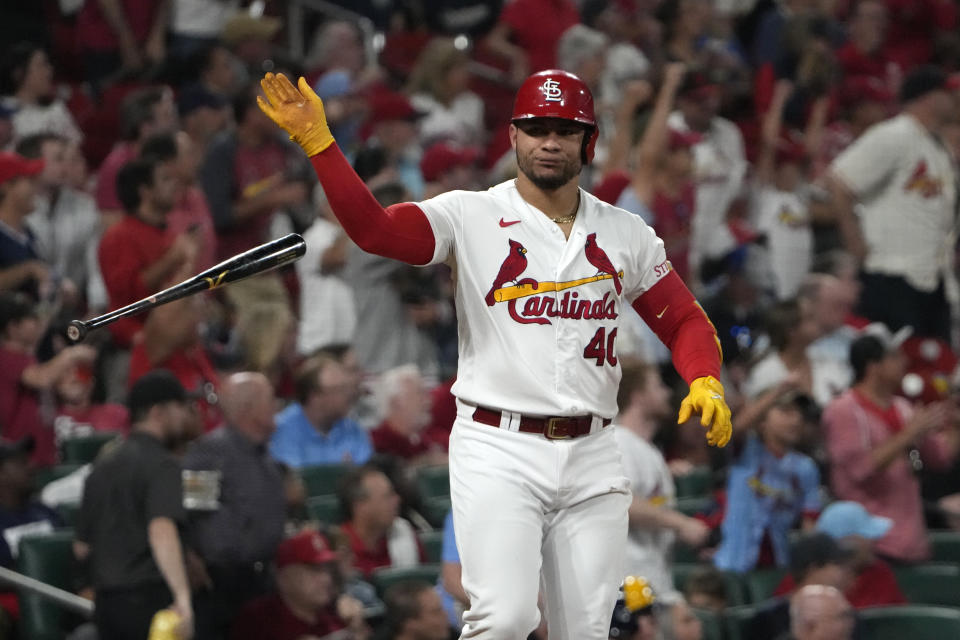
784	218
538	314
906	181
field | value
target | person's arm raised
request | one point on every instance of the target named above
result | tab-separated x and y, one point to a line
401	232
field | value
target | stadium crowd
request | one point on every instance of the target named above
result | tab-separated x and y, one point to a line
269	460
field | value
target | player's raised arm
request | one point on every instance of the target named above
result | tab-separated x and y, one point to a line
401	232
672	312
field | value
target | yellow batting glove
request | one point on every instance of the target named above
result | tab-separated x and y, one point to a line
297	110
706	398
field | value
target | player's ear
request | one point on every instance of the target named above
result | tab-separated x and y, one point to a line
513	135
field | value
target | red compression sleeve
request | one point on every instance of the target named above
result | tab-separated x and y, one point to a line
401	232
678	320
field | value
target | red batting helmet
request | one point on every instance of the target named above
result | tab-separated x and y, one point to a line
558	94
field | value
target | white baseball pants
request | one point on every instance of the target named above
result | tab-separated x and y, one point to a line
531	512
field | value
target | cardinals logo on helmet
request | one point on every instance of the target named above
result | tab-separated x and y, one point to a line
551	91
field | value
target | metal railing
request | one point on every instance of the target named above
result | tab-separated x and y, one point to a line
59	596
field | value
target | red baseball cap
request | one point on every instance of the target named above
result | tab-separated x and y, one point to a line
390	105
307	547
13	165
442	156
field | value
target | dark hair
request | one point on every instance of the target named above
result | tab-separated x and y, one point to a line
14	306
350	489
780	321
403	603
16	59
814	551
708	581
136	110
159	148
154	388
245	100
32	146
863	351
131	177
390	194
369	161
307	380
634	376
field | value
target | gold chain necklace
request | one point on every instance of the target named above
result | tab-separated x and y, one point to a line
570	217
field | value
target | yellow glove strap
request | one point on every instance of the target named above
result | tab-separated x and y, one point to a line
315	139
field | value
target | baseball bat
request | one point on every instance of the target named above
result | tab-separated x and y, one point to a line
243	265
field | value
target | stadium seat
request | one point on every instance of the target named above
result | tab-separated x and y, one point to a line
736	591
432	542
737	621
48	558
384	578
68	513
694	506
684	553
326	509
936	583
695	484
761	583
434	481
916	622
45	475
946	546
86	448
712	624
435	510
321	479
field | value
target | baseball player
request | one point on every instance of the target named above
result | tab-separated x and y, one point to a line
543	271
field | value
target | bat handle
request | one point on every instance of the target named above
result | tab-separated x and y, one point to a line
77	330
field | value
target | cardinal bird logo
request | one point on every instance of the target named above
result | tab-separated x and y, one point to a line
598	258
510	270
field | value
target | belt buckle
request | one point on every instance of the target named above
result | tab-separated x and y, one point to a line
550	432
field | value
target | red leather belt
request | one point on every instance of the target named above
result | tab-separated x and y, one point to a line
555	428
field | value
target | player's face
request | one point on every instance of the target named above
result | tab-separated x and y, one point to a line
548	150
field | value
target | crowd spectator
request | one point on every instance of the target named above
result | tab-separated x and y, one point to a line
131	511
655	523
77	414
267	338
308	601
235	538
875	439
28	90
900	174
447	167
328	313
770	487
195	25
819	612
24	380
414	612
217	72
875	584
405	405
864	54
706	589
719	163
317	429
439	88
20	513
64	222
21	268
677	621
392	125
527	32
121	37
583	52
815	559
378	536
143	113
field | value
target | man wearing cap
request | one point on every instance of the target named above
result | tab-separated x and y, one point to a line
131	510
876	441
904	179
21	268
446	166
308	601
853	527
